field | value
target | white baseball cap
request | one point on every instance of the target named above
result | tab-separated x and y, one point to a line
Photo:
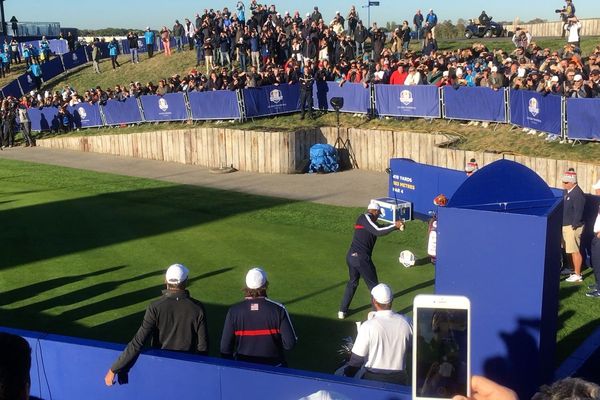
382	294
256	278
176	274
577	78
494	69
373	206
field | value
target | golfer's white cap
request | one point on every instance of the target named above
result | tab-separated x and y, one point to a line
373	206
382	294
577	78
176	274
596	185
256	278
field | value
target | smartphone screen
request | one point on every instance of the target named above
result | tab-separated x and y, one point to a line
442	352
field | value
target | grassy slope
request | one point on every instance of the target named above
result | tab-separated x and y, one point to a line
84	260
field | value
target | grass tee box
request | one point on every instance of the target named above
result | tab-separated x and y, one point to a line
393	210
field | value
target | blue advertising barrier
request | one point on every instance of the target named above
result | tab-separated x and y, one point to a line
51	69
122	112
420	183
533	110
220	104
272	100
474	103
141	45
74	59
86	115
26	82
71	368
357	98
407	101
59	46
12	89
44	119
583	119
170	107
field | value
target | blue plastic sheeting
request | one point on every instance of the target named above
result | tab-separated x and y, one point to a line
74	59
583	119
272	100
420	183
27	83
357	98
220	104
506	260
170	107
86	115
12	89
52	69
535	111
44	119
71	368
474	103
407	101
323	158
122	112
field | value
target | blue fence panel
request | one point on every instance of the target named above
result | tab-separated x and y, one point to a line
44	119
357	98
474	103
74	59
220	104
583	119
86	115
407	101
272	100
122	112
52	69
27	83
170	107
12	89
535	111
59	46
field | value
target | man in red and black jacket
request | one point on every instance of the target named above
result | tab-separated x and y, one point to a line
359	261
257	329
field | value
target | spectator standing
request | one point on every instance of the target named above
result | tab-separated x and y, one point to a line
306	91
36	73
405	31
199	43
44	50
149	39
382	342
113	52
15	364
594	289
257	329
418	23
359	256
352	21
9	122
178	32
14	51
572	28
5	63
132	39
96	57
430	45
175	322
360	36
165	37
25	122
208	54
190	31
431	22
574	203
70	41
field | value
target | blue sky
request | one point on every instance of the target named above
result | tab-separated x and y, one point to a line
140	13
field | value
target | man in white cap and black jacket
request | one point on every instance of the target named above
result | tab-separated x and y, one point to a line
358	258
174	322
257	329
382	342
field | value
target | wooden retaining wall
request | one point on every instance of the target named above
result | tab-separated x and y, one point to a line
589	27
287	152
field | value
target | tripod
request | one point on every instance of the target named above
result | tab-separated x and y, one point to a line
344	144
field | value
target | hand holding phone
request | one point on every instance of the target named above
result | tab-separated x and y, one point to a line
441	347
485	389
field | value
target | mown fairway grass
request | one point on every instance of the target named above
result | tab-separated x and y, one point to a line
85	252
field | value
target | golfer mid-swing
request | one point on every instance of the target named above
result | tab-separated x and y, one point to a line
358	258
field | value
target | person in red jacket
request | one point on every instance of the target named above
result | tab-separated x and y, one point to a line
399	76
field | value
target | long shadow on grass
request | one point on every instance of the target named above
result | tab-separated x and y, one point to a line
49	230
401	293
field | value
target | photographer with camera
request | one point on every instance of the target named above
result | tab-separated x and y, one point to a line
568	11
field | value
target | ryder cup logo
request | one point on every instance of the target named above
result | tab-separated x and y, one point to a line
74	57
275	96
406	97
29	80
382	212
163	105
81	112
534	107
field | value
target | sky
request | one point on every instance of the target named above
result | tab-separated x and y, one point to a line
94	14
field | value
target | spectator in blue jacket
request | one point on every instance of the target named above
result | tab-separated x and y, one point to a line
113	52
4	64
149	38
45	49
36	73
431	21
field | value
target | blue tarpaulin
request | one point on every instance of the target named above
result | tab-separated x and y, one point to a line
323	158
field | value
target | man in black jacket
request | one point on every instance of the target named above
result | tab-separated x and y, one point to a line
359	261
574	203
174	322
306	91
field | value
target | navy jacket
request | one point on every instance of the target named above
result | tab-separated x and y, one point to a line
573	208
365	234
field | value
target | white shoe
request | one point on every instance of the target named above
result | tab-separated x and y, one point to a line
574	278
475	123
341	315
485	124
541	134
531	132
525	130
